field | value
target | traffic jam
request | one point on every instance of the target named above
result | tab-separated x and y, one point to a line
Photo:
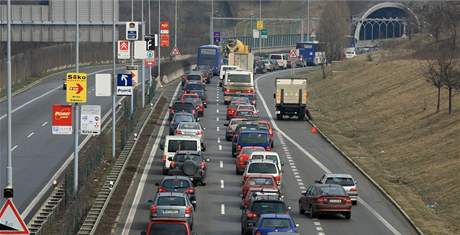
185	163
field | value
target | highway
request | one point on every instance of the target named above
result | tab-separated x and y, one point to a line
307	157
37	154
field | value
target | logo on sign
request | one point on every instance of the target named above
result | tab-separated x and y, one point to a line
216	37
76	87
62	120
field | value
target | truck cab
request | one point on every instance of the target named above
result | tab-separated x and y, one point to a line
291	98
238	82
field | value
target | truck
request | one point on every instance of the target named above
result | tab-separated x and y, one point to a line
239	83
291	98
244	61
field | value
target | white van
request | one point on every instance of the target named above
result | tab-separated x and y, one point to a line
223	69
268	155
174	143
238	82
281	59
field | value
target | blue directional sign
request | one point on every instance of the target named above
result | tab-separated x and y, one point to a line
216	37
124	84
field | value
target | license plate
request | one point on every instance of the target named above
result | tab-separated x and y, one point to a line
171	211
335	201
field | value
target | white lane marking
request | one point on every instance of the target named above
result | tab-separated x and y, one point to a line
321	233
217	128
221	164
145	173
14	147
218	140
295	173
221	183
317	223
44	124
220	147
31	134
297	176
302	187
222	209
217	110
315	160
217	119
299	180
300	183
294	169
319	229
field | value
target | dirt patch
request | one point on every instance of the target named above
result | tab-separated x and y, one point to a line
383	114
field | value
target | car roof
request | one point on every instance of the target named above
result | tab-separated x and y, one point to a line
175	194
328	186
281	216
193	72
245	72
183	113
338	175
182	102
256	175
176	177
182	137
245	131
265	153
191	152
264	161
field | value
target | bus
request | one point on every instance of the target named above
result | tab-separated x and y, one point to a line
311	52
210	55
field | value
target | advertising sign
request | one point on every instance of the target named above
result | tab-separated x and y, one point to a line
61	120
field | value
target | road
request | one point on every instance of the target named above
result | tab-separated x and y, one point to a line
307	157
37	154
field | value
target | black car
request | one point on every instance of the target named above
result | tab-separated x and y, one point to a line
206	70
177	184
198	89
251	214
192	76
178	118
191	164
179	106
259	66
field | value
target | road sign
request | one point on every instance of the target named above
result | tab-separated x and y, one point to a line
150	42
150	54
164	40
133	70
164	27
123	50
293	53
140	51
175	51
264	33
76	87
103	84
124	84
61	120
90	120
216	37
255	33
260	25
132	33
10	220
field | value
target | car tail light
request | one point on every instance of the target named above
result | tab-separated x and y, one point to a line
268	148
278	179
258	233
178	132
353	189
153	210
173	165
193	111
251	215
190	190
203	165
253	102
242	161
188	211
347	200
321	200
199	133
162	189
238	147
164	158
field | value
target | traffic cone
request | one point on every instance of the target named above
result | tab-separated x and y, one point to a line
313	130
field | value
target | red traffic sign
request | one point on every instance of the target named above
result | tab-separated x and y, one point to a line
62	120
123	45
150	62
10	220
164	25
293	53
164	40
175	51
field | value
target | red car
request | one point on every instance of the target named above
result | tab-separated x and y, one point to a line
325	199
243	157
165	226
231	108
200	107
258	182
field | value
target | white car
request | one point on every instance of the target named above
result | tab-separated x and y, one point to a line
265	167
174	143
269	155
223	69
344	180
281	59
190	129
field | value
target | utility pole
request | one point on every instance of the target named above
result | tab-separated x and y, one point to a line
77	115
8	192
142	62
150	33
308	20
260	35
211	24
159	46
175	25
114	77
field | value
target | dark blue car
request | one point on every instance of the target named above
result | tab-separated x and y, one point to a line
279	224
251	137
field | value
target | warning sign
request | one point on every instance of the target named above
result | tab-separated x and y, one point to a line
293	53
175	51
10	220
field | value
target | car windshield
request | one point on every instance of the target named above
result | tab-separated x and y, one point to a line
189	126
247	107
276	57
175	184
244	113
193	100
253	138
168	229
183	118
260	181
246	78
235	122
262	167
194	86
185	157
343	181
229	68
171	201
276	223
332	190
175	145
243	99
183	106
251	150
194	77
269	207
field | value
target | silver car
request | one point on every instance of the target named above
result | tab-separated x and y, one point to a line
344	180
190	129
172	205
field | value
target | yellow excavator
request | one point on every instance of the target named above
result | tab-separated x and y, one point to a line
234	46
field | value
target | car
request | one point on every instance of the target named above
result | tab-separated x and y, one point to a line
178	118
344	180
240	98
271	224
177	184
246	113
231	126
256	208
269	67
174	143
325	199
192	86
265	167
191	164
172	205
250	137
199	89
207	72
258	182
192	76
267	124
190	129
281	59
243	157
180	106
275	64
269	155
223	69
168	226
197	102
246	107
233	106
259	67
291	62
260	193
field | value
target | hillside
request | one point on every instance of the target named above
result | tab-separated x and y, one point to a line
383	114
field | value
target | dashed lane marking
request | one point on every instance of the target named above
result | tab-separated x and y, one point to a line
222	209
217	128
317	223
221	183
218	140
14	147
220	147
44	124
221	164
31	134
319	229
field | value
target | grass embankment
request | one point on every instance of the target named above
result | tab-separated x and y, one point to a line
383	114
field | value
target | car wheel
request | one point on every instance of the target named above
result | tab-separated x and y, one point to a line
165	171
278	117
347	215
354	203
301	211
313	213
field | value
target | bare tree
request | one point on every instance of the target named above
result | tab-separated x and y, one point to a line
433	75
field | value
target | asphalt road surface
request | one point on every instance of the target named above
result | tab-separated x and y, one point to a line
307	157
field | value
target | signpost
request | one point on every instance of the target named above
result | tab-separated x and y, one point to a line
150	42
132	32
11	221
76	87
124	84
61	120
90	120
133	70
164	27
123	50
255	33
164	34
217	37
103	84
140	51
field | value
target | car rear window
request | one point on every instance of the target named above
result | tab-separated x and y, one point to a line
171	201
260	181
239	78
343	181
168	229
185	157
183	106
175	145
248	107
244	113
189	126
241	98
268	207
331	190
183	118
175	183
194	86
262	167
276	223
194	77
276	57
253	138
